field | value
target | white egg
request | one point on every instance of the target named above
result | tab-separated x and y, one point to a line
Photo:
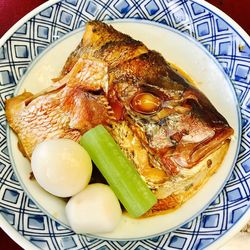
62	167
94	210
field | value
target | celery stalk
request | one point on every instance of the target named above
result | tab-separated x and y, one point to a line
119	172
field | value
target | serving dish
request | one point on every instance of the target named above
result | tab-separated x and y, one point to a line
220	39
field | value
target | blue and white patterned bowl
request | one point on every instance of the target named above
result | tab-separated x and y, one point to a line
219	35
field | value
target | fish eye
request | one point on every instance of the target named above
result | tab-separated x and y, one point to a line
145	103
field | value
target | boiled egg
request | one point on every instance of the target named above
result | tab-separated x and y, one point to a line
94	210
62	167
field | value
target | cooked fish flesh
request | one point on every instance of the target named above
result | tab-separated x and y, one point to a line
169	129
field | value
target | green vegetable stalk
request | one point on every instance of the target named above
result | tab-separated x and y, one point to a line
119	172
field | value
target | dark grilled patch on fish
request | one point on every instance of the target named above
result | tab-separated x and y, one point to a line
104	42
149	68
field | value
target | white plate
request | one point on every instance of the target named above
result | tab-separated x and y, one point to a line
176	48
218	217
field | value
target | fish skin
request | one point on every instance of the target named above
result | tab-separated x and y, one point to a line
102	41
65	110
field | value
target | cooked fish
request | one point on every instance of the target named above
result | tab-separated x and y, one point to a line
173	134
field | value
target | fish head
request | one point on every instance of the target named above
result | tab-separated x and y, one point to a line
176	124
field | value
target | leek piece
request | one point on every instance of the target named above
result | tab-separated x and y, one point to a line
119	172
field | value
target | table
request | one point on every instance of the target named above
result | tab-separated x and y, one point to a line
12	10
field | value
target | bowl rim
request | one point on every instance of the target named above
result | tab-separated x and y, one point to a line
167	29
22	241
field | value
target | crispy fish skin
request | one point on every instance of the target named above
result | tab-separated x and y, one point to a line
101	41
175	147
